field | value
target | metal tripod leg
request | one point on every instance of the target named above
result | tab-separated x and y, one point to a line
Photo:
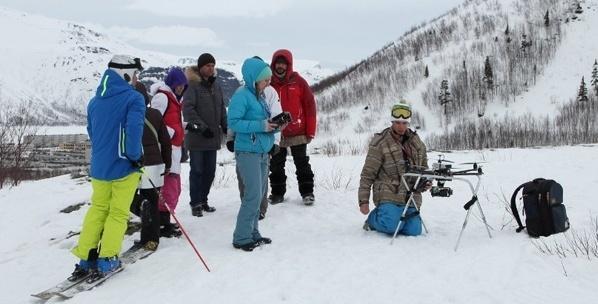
462	229
410	201
477	202
484	219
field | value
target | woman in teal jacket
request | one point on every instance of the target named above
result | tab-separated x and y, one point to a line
248	118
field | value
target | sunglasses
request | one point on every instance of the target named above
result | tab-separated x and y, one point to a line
399	122
400	111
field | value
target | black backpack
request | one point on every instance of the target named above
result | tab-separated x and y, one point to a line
543	207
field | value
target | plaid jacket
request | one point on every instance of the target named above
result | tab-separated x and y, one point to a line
385	163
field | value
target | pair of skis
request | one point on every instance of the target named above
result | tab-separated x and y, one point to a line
68	289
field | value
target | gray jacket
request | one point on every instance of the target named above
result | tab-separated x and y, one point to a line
203	104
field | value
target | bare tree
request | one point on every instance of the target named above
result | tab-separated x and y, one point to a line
17	132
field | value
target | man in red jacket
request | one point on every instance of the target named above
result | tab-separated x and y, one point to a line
295	97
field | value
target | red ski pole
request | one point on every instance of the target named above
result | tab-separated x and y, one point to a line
161	199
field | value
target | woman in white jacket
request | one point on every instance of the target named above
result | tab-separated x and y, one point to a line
167	98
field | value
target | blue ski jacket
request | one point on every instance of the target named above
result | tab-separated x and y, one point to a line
247	115
115	118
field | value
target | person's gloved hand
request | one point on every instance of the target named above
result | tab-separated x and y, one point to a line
192	127
275	149
224	131
230	145
137	164
207	133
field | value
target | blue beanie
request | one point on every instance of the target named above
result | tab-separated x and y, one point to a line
266	73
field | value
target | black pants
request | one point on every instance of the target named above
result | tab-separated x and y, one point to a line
305	176
148	212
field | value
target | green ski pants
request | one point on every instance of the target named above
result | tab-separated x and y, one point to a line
106	220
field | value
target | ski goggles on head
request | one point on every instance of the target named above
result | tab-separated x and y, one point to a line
401	111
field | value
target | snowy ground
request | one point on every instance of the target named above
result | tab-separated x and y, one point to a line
320	254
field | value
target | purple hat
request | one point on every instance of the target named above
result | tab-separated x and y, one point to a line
175	78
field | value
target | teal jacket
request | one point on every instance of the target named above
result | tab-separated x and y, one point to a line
115	118
248	115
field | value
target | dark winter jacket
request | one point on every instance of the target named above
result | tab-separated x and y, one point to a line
297	98
115	118
156	150
385	163
203	104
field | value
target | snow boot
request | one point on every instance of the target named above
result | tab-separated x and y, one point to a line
207	208
247	247
170	230
308	199
197	211
263	241
276	199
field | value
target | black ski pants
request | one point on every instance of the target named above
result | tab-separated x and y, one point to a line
305	176
149	214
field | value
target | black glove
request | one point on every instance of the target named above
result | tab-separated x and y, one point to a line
230	145
192	127
224	131
207	133
137	164
275	149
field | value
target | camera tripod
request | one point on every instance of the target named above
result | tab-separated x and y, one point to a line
443	176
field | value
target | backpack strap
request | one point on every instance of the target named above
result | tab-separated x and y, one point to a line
151	127
514	208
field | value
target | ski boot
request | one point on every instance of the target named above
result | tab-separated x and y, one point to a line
82	270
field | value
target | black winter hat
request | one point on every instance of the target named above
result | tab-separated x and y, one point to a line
204	59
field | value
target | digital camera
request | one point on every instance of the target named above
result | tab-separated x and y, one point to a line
440	190
281	119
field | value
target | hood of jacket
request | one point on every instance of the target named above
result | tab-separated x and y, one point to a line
111	84
159	86
193	76
288	56
251	69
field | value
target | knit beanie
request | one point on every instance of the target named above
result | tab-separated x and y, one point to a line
204	59
266	73
175	77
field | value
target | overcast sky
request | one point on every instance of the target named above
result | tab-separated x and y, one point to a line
336	33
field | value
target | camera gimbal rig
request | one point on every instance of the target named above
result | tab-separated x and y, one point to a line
442	171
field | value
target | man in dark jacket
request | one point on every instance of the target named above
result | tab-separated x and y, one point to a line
205	114
295	97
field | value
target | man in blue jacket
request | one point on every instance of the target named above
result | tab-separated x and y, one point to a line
115	118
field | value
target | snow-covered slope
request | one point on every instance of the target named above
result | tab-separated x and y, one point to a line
320	254
561	79
537	79
54	66
311	70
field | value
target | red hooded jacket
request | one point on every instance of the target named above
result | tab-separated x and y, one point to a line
295	97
